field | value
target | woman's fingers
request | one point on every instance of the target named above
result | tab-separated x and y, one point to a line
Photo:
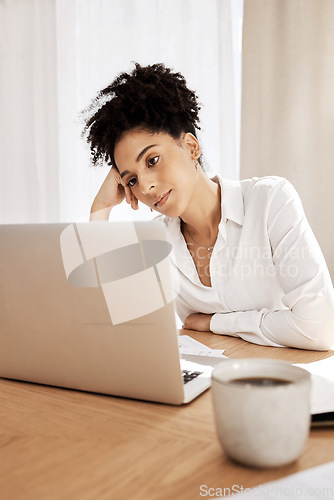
127	193
134	202
130	197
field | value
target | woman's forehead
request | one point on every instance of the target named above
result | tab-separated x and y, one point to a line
132	143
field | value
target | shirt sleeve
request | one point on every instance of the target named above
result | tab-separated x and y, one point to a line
182	308
308	320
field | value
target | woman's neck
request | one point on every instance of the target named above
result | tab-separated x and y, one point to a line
202	216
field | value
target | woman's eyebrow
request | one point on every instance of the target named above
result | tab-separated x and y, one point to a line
139	157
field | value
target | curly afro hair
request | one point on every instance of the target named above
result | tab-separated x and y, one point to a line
151	98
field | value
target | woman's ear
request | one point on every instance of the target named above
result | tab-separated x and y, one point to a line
191	143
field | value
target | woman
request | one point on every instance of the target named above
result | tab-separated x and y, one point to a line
248	263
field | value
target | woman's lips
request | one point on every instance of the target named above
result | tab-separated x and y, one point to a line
163	199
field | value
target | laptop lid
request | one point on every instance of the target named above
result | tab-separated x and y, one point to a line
89	306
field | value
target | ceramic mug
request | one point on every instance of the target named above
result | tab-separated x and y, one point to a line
262	410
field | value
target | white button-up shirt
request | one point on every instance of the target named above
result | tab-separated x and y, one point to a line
270	282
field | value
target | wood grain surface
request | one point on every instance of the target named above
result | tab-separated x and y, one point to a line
63	444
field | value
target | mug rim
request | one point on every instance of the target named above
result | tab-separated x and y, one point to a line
306	376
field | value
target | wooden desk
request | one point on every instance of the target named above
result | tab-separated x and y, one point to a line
63	444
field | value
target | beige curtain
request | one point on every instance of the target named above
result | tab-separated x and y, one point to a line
288	103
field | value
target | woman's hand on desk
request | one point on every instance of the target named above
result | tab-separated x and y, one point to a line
198	321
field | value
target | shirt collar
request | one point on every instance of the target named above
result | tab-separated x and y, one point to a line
232	202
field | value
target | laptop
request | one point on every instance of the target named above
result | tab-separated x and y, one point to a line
90	306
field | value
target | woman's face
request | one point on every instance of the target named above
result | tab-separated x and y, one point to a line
160	170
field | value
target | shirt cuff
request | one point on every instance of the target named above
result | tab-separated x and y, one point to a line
244	324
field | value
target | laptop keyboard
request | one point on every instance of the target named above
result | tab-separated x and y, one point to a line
189	375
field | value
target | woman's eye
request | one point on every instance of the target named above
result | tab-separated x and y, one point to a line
132	182
153	161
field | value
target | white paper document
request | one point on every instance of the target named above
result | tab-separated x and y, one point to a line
188	345
315	483
322	390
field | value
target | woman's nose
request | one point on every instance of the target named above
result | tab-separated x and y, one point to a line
146	184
